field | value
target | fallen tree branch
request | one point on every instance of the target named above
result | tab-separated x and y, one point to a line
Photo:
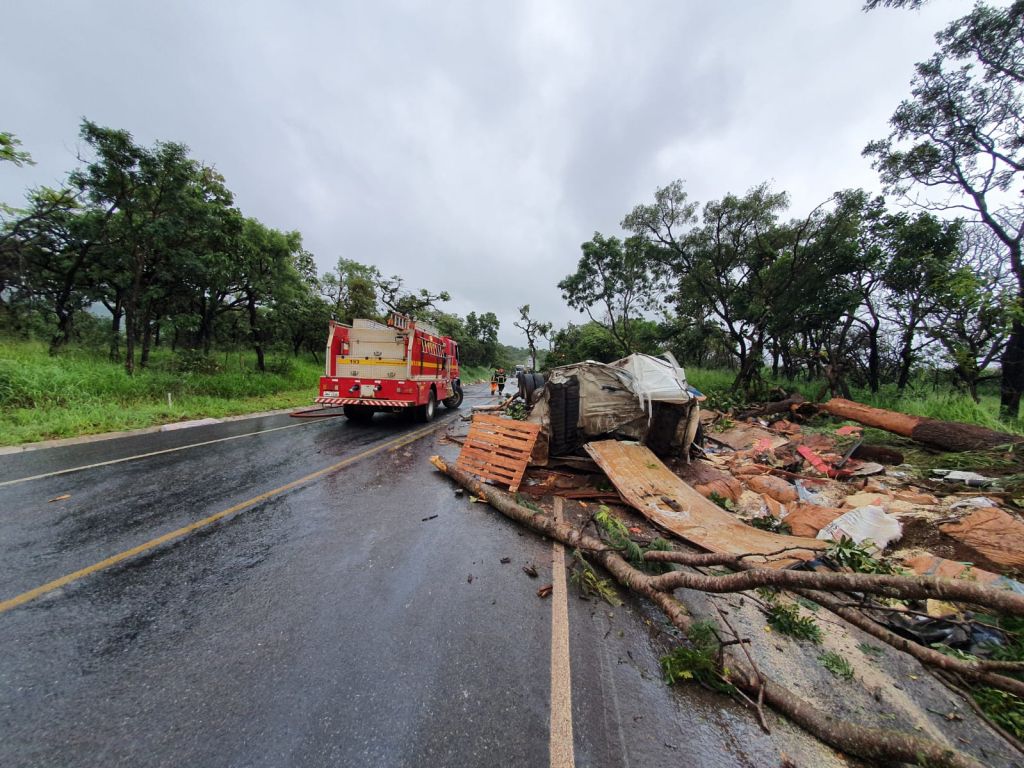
899	587
877	745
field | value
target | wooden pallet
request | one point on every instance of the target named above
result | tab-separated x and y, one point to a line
498	449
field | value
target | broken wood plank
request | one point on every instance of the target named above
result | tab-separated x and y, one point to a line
664	499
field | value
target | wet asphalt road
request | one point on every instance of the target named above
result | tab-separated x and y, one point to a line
329	625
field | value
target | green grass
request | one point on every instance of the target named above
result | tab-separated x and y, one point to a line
473	373
81	392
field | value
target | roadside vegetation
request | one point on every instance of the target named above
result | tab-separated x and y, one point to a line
82	392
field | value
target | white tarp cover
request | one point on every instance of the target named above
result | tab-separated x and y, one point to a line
654	378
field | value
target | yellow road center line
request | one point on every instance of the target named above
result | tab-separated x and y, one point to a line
151	453
49	586
561	750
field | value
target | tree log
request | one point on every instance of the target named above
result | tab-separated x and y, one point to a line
876	745
945	435
899	587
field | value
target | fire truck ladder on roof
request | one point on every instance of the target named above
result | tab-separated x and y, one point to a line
398	320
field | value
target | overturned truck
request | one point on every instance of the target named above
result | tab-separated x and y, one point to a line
640	397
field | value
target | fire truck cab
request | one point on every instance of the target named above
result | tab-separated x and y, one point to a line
393	367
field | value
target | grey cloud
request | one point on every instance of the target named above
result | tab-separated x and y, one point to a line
469	146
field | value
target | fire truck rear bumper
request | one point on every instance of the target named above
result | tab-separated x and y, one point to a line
374	401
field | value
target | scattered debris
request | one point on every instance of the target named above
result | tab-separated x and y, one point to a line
62	497
878	453
505	560
799	511
431	517
864	524
972	479
728	657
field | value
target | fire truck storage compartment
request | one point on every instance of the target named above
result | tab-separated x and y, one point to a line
374	353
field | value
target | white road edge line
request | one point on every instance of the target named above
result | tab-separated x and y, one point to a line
151	453
560	748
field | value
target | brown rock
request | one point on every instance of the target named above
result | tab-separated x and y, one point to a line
807	519
776	487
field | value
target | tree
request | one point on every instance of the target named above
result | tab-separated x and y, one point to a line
956	145
532	329
871	5
352	291
269	275
617	278
397	298
482	330
921	251
971	314
167	212
9	152
54	241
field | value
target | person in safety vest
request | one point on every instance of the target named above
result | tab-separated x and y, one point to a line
494	383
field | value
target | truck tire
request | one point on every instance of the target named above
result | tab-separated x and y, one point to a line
425	413
453	402
358	413
538	384
526	386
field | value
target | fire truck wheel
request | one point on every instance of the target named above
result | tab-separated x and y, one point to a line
426	412
360	413
455	400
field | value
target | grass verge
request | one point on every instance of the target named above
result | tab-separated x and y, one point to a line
81	392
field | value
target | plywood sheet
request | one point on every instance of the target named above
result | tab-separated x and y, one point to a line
498	449
668	502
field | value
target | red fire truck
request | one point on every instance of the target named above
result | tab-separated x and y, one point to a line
391	367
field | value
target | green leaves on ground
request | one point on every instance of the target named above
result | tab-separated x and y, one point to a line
847	554
786	618
589	584
837	664
699	661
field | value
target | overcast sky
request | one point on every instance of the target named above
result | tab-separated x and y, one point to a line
469	146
